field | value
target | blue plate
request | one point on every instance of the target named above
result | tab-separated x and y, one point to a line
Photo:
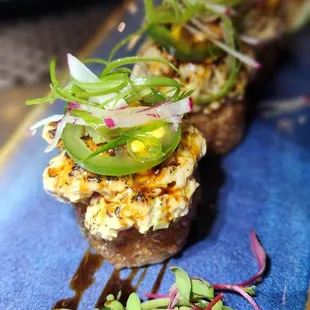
263	185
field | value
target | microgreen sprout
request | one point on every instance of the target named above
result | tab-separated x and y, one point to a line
197	294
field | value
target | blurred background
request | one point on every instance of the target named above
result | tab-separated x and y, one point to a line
31	33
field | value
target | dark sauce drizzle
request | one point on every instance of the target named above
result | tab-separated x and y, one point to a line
116	284
160	277
82	279
141	278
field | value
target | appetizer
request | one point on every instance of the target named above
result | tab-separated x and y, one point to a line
270	20
200	39
265	25
127	159
213	43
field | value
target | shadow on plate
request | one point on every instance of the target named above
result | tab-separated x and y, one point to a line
285	75
212	178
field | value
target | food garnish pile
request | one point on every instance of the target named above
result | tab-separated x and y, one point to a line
119	112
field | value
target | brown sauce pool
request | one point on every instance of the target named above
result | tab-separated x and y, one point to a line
84	277
116	284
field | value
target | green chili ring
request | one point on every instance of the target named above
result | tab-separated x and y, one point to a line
114	166
183	50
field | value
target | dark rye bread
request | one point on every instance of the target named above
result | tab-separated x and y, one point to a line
223	128
133	249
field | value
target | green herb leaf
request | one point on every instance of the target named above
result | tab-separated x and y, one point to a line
201	288
125	40
183	283
116	305
154	97
47	99
122	139
154	81
250	289
218	306
53	76
149	10
65	95
95	60
132	60
110	297
108	84
133	302
227	87
155	303
202	303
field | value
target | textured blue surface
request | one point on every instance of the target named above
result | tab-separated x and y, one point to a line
266	188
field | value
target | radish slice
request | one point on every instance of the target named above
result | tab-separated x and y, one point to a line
112	105
67	119
250	40
204	28
109	122
175	120
61	126
79	71
122	118
47	120
76	121
100	113
245	59
145	115
56	118
184	104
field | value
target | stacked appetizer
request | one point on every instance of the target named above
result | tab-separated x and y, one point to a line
127	157
211	43
199	38
126	161
270	20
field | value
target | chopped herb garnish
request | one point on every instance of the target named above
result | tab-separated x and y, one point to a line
136	117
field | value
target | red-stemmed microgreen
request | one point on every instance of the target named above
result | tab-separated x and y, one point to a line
155	296
240	290
196	293
214	301
261	259
174	296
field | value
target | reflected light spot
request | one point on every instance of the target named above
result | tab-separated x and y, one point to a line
121	27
